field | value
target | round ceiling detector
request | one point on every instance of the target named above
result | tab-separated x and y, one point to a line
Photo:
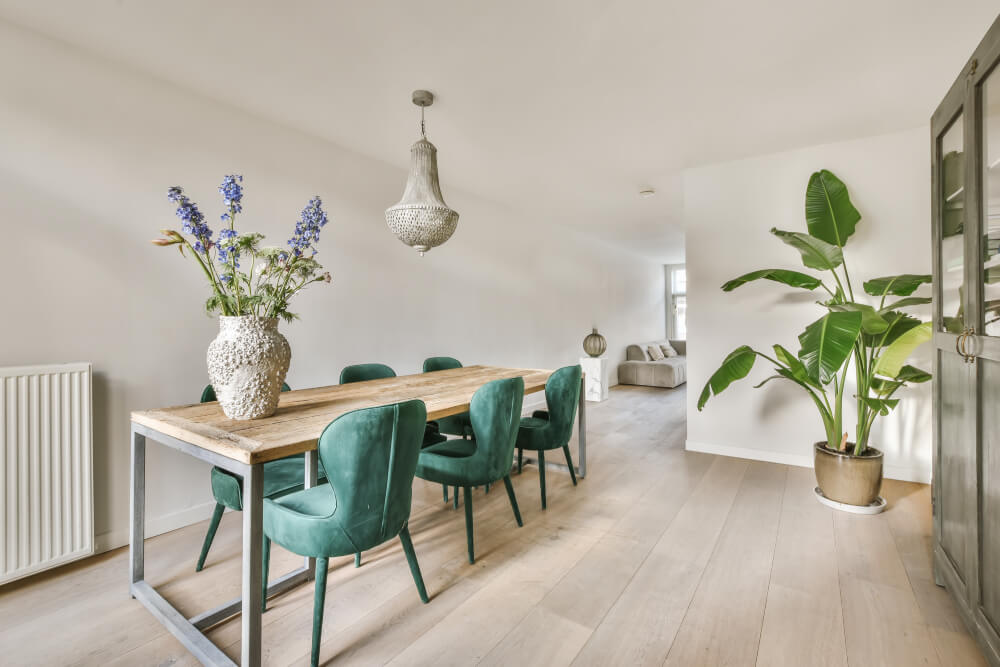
646	193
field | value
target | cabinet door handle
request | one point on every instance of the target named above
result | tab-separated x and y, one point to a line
970	357
959	348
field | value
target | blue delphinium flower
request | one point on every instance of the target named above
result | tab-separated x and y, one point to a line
307	228
232	194
194	220
225	246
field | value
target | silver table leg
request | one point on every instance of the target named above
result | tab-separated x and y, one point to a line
312	474
582	430
253	535
137	510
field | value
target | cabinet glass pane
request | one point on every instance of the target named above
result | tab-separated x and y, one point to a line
989	492
957	455
991	204
952	228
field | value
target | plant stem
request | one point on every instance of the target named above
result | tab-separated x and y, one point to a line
208	274
847	279
232	259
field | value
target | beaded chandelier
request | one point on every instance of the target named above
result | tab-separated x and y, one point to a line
421	219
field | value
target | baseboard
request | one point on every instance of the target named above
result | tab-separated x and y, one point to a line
156	526
903	473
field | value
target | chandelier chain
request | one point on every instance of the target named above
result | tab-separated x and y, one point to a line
423	132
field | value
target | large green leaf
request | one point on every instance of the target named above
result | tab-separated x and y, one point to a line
899	323
827	343
884	387
890	362
783	276
871	322
901	285
880	405
816	253
830	215
796	369
735	367
908	301
912	374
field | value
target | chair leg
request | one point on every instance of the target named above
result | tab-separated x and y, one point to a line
541	474
468	523
213	526
569	462
263	577
444	488
318	600
520	460
411	558
513	499
357	559
487	488
456	497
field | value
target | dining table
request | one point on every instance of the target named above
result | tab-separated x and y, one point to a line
242	447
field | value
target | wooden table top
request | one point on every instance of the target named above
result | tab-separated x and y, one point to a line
302	415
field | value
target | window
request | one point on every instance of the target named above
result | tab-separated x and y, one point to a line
677	302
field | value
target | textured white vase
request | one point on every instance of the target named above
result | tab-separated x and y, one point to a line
247	363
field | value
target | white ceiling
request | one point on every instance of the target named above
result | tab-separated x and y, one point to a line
562	107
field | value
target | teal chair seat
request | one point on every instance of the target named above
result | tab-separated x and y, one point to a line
371	454
551	429
495	412
280	477
453	447
301	523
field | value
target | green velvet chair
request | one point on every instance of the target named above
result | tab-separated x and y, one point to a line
371	455
552	429
280	477
364	372
455	424
495	412
374	371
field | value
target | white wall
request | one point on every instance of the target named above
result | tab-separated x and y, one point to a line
88	150
729	209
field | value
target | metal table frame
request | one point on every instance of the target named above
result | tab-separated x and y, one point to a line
190	631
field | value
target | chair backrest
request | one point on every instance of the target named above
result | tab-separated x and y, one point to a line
370	456
495	412
562	394
362	372
441	364
208	393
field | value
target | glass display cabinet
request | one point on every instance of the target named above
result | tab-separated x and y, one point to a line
965	150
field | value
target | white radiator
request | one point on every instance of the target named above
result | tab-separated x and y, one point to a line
46	468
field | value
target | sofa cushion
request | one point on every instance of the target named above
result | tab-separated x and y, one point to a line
637	351
668	350
655	353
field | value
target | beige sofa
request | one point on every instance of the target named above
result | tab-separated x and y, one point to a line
638	368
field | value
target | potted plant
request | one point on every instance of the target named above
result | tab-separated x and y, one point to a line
873	337
251	287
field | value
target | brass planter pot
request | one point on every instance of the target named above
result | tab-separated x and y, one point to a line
849	479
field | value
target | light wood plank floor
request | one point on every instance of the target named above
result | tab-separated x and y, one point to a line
660	556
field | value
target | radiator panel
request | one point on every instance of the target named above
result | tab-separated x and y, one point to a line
46	467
